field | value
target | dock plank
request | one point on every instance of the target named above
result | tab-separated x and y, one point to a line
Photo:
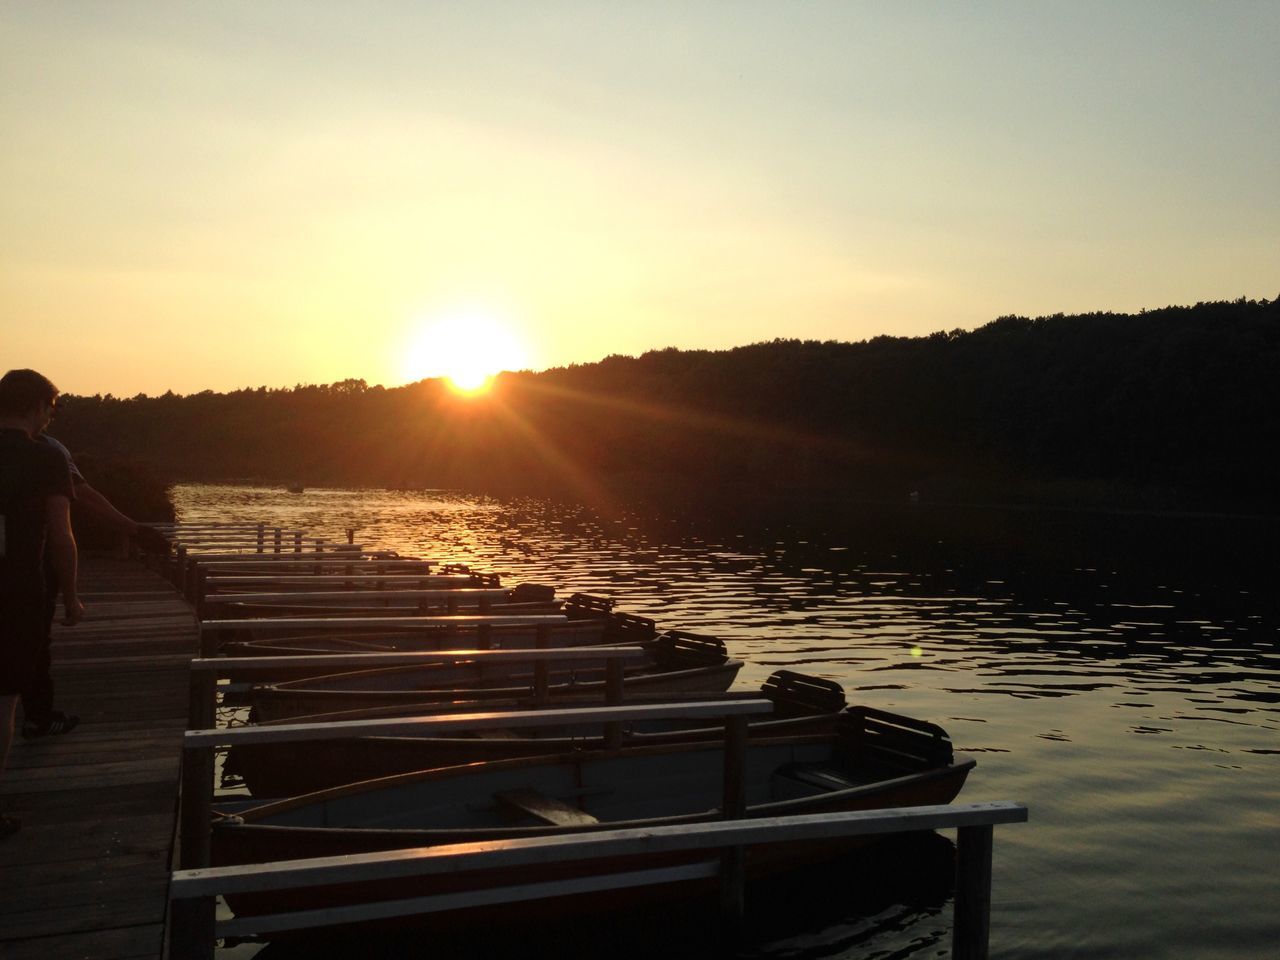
142	942
87	875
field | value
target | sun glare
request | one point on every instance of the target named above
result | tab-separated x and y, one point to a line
469	384
467	348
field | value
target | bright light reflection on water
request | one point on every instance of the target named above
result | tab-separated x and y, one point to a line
1136	715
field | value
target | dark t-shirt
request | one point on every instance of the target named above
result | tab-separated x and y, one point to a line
30	473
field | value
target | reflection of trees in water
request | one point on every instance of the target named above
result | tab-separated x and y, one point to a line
892	896
1184	582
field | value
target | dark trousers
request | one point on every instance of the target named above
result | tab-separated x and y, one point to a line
37	696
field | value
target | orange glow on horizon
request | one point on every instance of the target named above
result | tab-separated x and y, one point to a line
470	383
467	347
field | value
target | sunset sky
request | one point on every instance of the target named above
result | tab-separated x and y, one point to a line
226	194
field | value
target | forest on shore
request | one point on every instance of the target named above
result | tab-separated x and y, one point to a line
1167	409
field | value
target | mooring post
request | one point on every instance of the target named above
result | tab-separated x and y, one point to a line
192	922
541	672
971	929
189	577
178	567
193	919
613	697
733	859
613	690
202	590
197	773
200	706
208	644
197	808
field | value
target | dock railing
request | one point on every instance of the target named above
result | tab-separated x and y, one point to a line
192	891
190	547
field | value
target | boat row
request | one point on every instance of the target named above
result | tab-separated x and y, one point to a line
493	782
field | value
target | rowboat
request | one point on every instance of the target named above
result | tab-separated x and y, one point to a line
871	760
679	662
802	704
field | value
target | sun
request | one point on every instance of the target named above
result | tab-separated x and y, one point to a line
470	383
465	347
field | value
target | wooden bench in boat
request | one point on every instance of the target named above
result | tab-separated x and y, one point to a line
820	775
544	808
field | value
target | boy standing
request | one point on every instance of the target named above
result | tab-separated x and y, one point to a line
35	500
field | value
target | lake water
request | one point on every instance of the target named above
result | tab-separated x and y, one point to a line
1117	674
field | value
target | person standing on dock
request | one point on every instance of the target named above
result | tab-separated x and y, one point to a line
35	495
39	718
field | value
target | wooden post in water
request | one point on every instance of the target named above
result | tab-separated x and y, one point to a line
202	590
208	643
971	929
191	928
178	566
197	774
613	697
190	575
541	672
192	921
733	860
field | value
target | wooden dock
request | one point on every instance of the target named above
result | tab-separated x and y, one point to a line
91	874
87	876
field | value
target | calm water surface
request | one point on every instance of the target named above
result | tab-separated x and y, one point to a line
1118	675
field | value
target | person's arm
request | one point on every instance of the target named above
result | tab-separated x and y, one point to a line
100	508
62	552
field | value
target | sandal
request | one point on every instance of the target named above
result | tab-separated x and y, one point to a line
9	826
58	722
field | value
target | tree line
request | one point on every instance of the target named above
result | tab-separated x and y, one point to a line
1172	407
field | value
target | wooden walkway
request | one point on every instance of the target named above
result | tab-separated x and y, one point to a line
87	876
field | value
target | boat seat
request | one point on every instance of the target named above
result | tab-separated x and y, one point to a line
821	775
544	808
